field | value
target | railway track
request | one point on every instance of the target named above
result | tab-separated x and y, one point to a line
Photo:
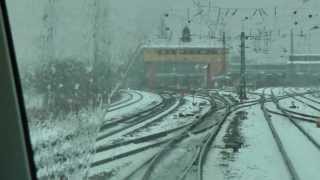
139	120
294	96
296	114
310	99
168	142
146	141
112	127
124	100
290	164
231	108
130	101
151	162
202	155
295	123
300	117
282	150
200	152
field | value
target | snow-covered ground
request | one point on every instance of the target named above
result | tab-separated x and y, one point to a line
304	155
148	99
244	148
134	128
170	121
64	145
258	156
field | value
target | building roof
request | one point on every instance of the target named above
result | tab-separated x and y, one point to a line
165	44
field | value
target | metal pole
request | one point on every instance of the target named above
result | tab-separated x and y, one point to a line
243	94
224	43
291	42
224	56
291	66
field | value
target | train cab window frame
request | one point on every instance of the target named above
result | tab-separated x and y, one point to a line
16	156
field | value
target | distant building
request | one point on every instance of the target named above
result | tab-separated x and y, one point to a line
302	63
184	65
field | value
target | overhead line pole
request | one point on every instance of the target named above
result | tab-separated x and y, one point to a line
243	93
224	47
291	42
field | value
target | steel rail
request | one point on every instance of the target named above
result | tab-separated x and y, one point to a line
288	162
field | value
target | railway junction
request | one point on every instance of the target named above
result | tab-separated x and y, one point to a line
211	135
201	99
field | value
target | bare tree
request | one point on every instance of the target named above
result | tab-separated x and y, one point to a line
100	32
102	82
49	22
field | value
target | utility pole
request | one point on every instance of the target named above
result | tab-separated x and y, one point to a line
224	46
291	66
276	29
49	21
210	5
291	42
224	43
100	32
243	93
162	29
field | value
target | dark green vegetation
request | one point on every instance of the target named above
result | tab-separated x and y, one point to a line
69	85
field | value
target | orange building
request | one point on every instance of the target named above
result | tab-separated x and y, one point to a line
183	66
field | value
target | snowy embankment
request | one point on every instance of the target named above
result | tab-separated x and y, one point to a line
63	146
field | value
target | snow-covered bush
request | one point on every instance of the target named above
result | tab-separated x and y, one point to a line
63	145
69	84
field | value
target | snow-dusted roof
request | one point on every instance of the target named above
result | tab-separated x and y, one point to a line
159	43
180	46
303	62
301	55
